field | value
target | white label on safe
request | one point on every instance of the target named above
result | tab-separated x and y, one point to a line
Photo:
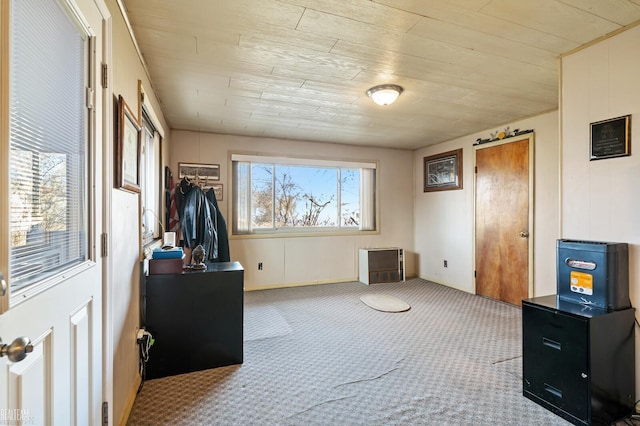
582	283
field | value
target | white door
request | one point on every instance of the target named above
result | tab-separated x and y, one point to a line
59	223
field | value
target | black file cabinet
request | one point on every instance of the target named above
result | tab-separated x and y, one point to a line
196	319
578	362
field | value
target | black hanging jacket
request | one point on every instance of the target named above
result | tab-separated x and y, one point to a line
198	216
221	231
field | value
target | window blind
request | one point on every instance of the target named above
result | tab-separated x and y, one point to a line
47	142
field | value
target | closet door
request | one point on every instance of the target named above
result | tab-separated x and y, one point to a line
503	217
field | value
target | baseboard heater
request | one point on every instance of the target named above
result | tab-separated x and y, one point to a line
381	265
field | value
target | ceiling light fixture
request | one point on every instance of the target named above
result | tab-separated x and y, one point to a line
385	94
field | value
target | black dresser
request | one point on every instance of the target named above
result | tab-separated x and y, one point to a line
578	361
195	317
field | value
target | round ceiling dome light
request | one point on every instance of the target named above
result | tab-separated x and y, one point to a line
385	94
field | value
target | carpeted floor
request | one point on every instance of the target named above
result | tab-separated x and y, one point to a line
317	355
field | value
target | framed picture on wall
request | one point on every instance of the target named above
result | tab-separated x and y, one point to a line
611	138
128	148
443	172
202	174
217	190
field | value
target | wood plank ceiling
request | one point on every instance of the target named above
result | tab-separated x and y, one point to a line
300	69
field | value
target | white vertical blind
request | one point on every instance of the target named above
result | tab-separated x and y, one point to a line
367	199
48	142
242	197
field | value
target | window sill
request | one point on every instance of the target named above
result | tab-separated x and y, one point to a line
147	250
294	234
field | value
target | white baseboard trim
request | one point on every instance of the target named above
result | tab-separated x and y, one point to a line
300	284
466	290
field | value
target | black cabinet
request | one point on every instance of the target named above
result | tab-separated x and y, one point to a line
578	361
195	317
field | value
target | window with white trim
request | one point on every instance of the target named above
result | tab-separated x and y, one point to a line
150	180
282	194
48	142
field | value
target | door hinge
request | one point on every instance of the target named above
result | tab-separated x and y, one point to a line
105	413
476	169
104	245
104	76
475	274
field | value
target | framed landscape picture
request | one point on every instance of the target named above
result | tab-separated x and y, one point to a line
203	173
443	171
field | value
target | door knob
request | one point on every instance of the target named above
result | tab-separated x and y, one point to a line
17	350
524	234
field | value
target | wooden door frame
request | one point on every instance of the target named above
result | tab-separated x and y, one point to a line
531	230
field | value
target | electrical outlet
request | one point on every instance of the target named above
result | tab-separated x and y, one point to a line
445	263
259	266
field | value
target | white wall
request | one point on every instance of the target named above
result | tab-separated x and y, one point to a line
444	220
307	260
600	198
125	221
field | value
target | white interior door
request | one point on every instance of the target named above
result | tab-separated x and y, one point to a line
60	381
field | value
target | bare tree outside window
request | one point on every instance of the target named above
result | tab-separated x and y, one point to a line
281	196
288	193
293	196
262	195
350	197
53	192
